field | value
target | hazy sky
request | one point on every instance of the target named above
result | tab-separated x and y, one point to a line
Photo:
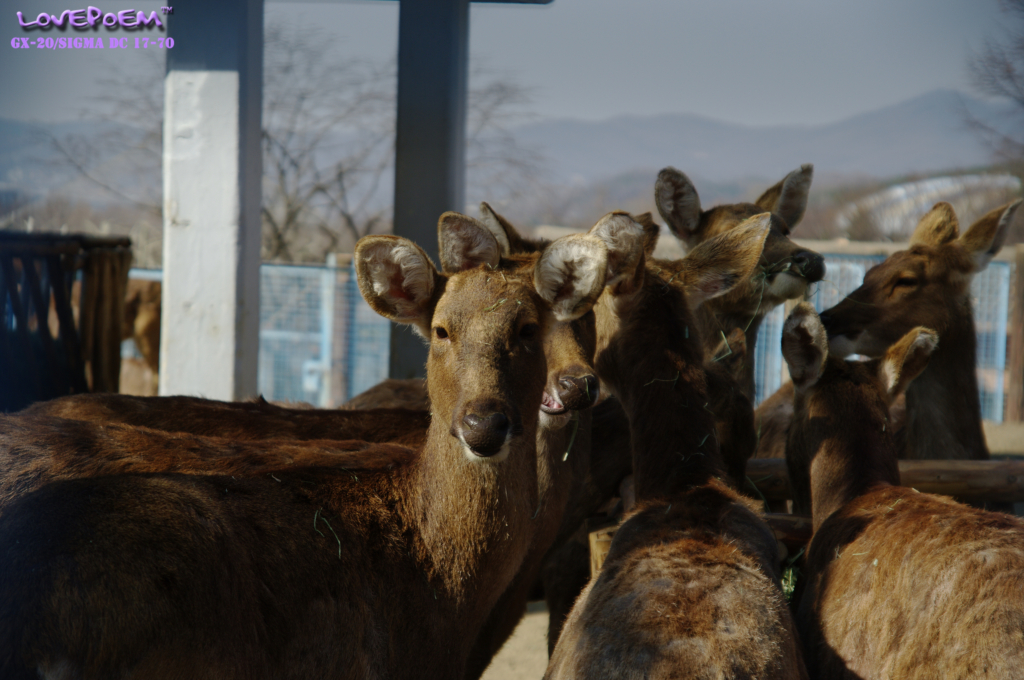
756	62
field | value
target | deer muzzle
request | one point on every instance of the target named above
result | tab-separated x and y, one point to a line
809	265
577	392
485	428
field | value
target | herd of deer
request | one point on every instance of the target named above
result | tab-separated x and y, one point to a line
176	537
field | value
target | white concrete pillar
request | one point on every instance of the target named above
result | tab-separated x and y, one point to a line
212	167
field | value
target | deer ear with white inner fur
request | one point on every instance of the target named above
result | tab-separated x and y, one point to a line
570	274
651	233
678	203
986	237
465	243
398	280
624	239
804	346
905	360
937	226
715	266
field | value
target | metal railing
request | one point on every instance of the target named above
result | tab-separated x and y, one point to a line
320	343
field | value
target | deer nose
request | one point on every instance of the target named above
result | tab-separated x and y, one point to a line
811	265
485	434
577	393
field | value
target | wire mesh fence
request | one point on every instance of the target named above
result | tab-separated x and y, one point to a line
320	343
990	292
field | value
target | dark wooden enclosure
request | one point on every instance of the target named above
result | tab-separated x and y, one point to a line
61	312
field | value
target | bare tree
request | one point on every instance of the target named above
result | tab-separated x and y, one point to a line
123	157
328	141
499	169
328	146
997	70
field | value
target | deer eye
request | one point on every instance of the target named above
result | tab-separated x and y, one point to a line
529	332
440	333
908	281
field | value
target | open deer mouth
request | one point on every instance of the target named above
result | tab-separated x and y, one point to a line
551	405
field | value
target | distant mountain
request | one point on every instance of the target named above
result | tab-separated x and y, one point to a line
923	134
610	161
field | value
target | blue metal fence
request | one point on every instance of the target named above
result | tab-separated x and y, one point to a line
844	273
320	342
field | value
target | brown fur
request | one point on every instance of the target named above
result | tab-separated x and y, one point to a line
392	393
240	421
773	417
900	584
928	285
563	460
343	568
567	570
568	348
690	586
734	413
566	567
785	270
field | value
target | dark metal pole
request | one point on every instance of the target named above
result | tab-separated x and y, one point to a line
433	53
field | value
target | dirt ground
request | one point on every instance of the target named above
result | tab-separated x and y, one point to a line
1006	439
525	655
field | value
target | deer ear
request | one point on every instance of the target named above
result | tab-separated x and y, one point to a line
788	198
624	239
939	225
570	275
985	237
715	266
398	280
465	243
678	203
804	346
905	360
651	233
493	222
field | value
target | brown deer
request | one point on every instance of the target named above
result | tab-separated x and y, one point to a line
928	285
346	567
690	587
899	584
240	421
785	270
564	429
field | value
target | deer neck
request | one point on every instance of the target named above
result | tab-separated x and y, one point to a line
660	381
563	462
849	452
714	325
943	405
473	517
